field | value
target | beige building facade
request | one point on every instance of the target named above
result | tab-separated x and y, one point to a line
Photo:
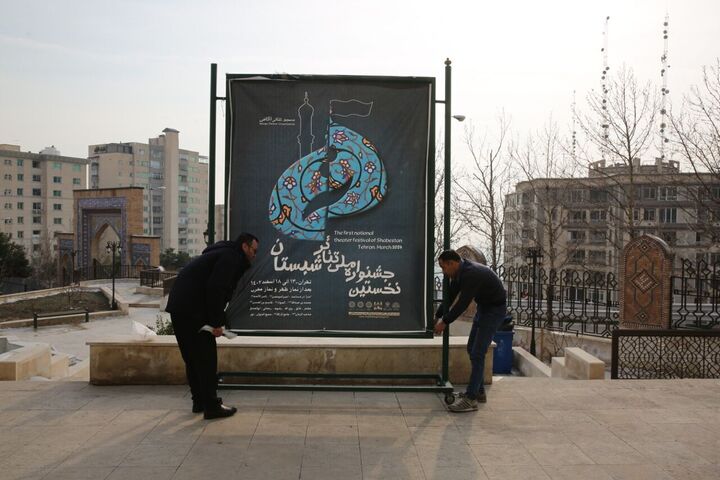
175	183
583	223
37	194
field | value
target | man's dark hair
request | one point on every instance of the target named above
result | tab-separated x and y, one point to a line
246	238
449	255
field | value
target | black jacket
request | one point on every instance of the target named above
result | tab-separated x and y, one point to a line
205	285
475	281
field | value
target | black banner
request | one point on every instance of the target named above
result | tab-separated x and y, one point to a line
330	173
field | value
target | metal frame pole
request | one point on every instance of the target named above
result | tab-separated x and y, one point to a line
211	156
446	213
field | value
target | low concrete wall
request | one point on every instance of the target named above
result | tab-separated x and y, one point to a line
528	365
48	321
580	365
129	360
28	360
553	343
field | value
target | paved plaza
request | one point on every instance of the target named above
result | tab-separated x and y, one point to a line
530	429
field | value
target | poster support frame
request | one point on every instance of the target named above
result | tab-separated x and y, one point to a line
441	380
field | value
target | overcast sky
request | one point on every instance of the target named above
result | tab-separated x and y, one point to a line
74	73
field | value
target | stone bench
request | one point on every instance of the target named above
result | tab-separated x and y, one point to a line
124	360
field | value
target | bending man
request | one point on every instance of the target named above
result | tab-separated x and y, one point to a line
472	281
198	298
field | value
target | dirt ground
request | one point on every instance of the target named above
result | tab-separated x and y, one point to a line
93	301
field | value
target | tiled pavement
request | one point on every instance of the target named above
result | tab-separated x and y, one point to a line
529	429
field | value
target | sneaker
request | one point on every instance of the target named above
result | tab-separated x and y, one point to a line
463	404
481	397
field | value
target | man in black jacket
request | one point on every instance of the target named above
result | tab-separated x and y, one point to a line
198	298
472	281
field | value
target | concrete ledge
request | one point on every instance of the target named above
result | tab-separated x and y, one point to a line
580	365
156	291
29	360
528	365
125	360
557	366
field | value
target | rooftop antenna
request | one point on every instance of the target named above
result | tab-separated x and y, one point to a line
603	84
574	129
664	91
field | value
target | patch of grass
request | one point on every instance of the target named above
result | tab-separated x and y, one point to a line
60	302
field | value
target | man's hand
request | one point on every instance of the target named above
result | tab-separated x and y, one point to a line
440	326
217	332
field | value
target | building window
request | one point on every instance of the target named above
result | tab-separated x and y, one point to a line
8	221
37	220
19	191
57	193
649	214
36	163
57	179
36	178
7	176
183	199
598	216
57	165
668	215
21	220
36	248
667	193
20	234
76	181
578	256
577	216
20	205
37	192
20	163
7	192
576	196
20	177
57	221
57	206
37	206
596	257
577	235
76	167
8	206
8	161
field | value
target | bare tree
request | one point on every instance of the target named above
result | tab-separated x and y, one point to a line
545	165
697	140
483	189
44	265
619	125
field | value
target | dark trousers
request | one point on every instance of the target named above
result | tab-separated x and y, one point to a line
199	351
486	322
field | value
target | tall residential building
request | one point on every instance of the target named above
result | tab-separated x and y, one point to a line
583	223
37	194
175	182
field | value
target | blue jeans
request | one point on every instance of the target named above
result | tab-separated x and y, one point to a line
486	322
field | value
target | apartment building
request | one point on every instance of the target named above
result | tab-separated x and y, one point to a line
175	182
583	223
37	194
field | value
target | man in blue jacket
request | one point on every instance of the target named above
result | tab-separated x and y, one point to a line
198	298
472	281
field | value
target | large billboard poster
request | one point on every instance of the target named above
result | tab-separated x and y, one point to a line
330	173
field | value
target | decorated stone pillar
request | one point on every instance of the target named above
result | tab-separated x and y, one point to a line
645	284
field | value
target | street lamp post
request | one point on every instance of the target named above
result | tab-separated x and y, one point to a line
533	254
72	266
113	247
